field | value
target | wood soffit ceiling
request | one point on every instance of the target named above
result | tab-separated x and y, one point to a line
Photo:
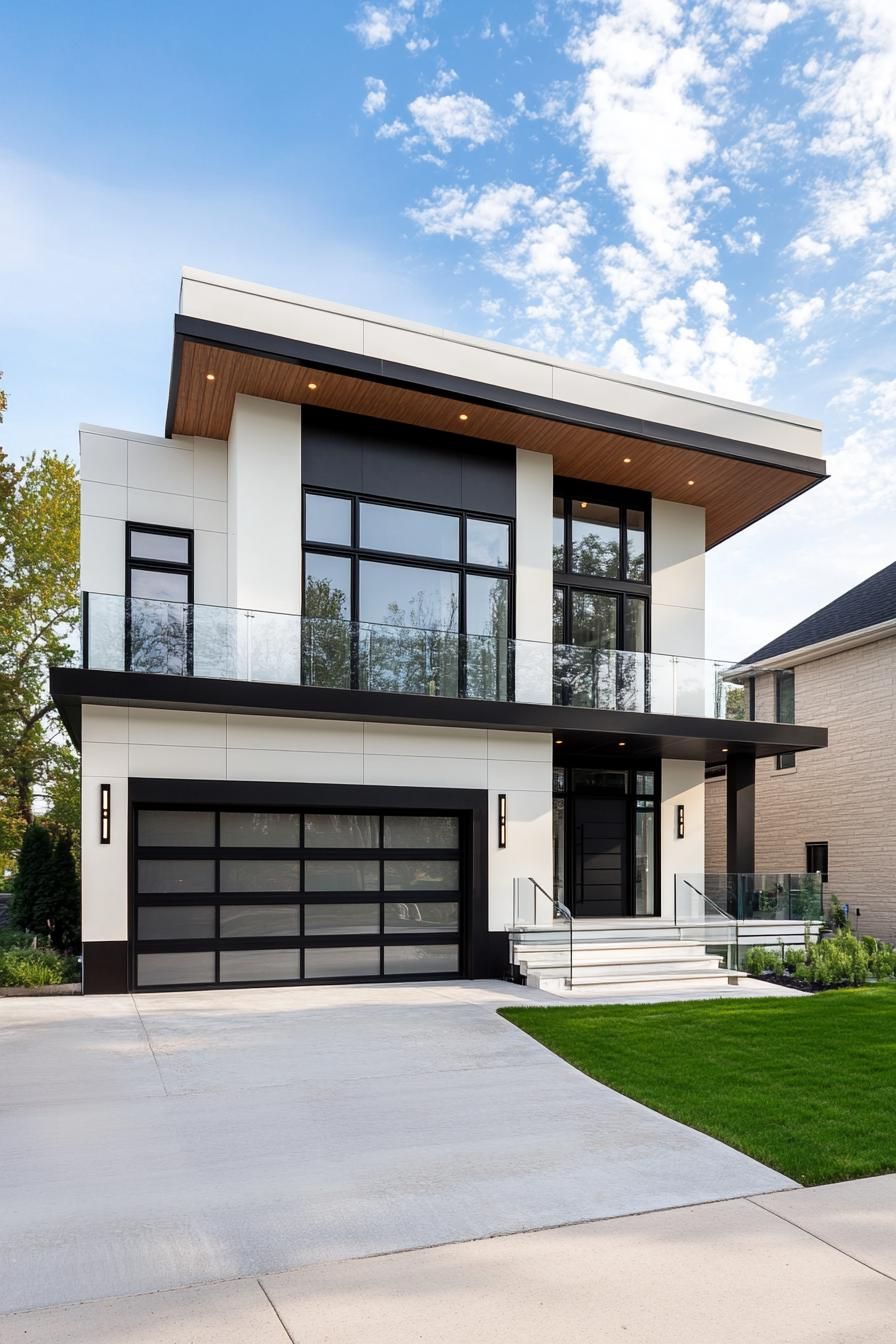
733	492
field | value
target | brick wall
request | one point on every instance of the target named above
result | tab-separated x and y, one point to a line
845	795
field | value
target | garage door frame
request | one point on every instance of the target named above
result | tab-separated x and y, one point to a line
482	954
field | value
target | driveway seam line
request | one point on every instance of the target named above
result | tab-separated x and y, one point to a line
753	1199
149	1045
291	1337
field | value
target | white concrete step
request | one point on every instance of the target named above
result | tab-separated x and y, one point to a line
608	952
598	980
620	971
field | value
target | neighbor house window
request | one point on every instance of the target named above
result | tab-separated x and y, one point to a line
817	858
158	599
397	598
785	712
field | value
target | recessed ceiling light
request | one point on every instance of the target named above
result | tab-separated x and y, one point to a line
210	377
690	482
626	459
313	386
584	504
463	417
558	741
621	744
724	749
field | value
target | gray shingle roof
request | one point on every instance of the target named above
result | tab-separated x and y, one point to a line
869	603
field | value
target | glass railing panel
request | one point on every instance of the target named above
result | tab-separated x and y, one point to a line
179	639
748	896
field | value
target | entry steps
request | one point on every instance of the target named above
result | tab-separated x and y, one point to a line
615	959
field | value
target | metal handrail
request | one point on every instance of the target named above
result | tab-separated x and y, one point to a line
564	912
724	913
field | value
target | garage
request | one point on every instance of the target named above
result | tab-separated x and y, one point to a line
237	896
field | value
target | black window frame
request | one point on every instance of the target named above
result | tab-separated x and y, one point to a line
357	555
566	580
162	567
787	759
812	865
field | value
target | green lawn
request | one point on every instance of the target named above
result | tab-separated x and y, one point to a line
806	1085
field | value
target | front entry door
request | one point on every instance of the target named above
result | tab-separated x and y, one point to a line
600	876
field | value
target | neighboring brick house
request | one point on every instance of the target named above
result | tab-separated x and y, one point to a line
832	808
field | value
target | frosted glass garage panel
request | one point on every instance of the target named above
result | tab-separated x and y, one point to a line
342	875
175	968
325	830
416	917
420	832
245	875
334	919
175	921
276	964
259	921
325	963
422	875
274	830
175	828
411	959
168	877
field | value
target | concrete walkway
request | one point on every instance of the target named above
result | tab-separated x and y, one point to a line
793	1268
174	1139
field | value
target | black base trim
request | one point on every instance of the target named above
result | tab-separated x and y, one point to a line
105	968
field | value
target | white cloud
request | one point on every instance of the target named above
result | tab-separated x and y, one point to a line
459	213
744	238
455	116
378	25
851	99
391	130
375	98
806	248
798	313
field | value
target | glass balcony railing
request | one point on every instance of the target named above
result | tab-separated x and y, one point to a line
188	639
705	898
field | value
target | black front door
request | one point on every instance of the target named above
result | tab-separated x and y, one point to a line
600	876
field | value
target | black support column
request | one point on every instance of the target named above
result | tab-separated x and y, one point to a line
741	813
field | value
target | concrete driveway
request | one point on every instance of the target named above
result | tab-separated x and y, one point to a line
176	1139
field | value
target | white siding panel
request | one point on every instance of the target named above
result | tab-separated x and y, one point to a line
682	783
104	868
523	775
210	568
302	766
103	501
260	732
104	759
152	467
396	739
425	771
210	468
177	727
210	514
102	555
104	458
513	746
104	723
147	762
148	506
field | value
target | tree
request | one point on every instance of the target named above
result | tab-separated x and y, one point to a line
32	883
39	610
57	905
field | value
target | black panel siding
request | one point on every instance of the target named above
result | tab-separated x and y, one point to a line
416	466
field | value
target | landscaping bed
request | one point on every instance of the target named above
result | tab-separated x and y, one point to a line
27	967
806	1085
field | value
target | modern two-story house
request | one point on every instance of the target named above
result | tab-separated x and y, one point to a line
828	811
394	632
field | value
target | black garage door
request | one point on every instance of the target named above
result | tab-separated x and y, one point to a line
236	897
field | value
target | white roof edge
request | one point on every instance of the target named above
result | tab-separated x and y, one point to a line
533	356
825	648
109	432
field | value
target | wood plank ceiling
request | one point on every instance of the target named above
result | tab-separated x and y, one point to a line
733	493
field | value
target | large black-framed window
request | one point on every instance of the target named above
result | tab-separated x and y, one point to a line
229	895
601	604
785	712
158	599
406	598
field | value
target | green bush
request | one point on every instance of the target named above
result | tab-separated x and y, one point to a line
882	961
761	960
794	957
36	966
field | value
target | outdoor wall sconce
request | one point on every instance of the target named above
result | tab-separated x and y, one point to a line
105	814
679	821
502	820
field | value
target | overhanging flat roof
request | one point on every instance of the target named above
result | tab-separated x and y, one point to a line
736	462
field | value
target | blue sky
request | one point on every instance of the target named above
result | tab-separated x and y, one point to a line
700	194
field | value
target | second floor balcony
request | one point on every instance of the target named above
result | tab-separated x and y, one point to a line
177	639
